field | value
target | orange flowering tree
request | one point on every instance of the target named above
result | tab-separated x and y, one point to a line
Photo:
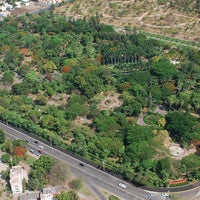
19	151
65	69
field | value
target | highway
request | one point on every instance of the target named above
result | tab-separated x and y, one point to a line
95	178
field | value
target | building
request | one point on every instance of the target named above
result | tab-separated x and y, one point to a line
29	196
50	192
17	174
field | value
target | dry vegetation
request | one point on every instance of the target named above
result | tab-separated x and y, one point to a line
146	15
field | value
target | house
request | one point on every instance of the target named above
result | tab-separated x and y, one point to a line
50	192
29	196
46	194
17	174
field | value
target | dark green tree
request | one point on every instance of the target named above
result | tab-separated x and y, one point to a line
2	136
163	69
5	158
70	195
198	6
192	162
8	78
179	125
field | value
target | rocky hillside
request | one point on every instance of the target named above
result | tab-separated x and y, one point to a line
173	18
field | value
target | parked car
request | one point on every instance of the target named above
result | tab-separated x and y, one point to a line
122	185
36	142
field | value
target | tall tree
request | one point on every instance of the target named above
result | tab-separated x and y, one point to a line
163	69
70	195
180	124
2	136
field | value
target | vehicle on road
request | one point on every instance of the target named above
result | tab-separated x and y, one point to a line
150	195
41	147
36	142
122	185
37	154
81	164
39	151
165	195
32	151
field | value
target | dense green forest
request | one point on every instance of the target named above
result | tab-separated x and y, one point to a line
55	72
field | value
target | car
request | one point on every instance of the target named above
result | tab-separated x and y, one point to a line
37	154
81	164
41	147
150	195
122	185
32	151
165	195
36	142
39	151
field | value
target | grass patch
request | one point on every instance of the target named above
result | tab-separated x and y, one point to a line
29	160
113	198
151	119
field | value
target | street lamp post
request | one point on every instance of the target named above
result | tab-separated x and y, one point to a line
103	165
51	142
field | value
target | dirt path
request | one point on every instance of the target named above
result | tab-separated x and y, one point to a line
140	120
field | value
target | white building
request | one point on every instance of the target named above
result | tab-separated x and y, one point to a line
8	6
16	178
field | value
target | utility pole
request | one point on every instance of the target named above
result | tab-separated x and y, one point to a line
51	142
103	165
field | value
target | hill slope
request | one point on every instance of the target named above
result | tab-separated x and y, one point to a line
176	19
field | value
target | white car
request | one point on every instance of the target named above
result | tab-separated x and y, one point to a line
165	195
150	195
122	185
32	151
41	147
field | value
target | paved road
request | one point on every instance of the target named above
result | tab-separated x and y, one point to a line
171	41
157	37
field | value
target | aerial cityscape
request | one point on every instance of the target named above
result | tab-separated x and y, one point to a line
100	100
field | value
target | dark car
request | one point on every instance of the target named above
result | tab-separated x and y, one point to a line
36	142
39	151
81	164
